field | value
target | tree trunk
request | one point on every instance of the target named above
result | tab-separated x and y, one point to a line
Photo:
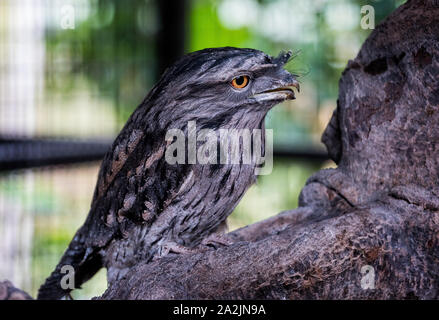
368	229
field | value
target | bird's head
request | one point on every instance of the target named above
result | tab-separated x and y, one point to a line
219	81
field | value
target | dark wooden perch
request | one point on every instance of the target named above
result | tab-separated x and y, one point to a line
379	208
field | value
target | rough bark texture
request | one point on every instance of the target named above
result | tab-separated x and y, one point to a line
379	208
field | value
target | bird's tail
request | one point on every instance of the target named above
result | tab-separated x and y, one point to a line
82	261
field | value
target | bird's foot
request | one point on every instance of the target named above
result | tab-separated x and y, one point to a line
217	240
172	247
214	241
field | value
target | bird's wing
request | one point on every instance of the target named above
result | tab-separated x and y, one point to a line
116	159
126	184
112	183
134	184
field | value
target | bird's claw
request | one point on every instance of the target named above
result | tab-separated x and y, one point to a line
213	241
172	247
217	240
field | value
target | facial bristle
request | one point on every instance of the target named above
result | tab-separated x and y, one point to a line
283	57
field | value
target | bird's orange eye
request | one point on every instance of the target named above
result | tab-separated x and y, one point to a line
240	82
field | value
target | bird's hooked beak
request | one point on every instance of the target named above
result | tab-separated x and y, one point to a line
282	91
282	86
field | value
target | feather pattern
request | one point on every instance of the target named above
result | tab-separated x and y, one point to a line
142	202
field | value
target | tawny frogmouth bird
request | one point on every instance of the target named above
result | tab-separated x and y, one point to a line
143	206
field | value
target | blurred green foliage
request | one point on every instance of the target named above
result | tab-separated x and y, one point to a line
113	45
